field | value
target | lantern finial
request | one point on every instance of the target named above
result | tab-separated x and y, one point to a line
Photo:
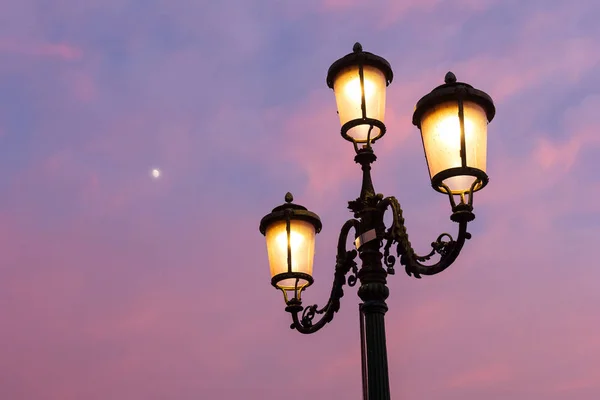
288	197
357	48
450	77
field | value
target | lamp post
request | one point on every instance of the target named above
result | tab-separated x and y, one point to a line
453	122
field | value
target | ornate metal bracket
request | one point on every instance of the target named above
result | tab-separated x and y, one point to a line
344	264
368	211
444	245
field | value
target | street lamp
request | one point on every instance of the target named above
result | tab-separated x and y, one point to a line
453	122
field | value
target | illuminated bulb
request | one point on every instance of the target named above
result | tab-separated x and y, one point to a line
353	91
449	133
296	245
296	241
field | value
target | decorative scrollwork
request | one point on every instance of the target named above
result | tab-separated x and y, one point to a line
344	264
389	263
346	269
440	246
309	314
445	246
353	277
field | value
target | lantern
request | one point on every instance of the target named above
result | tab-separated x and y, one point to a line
453	121
359	82
290	231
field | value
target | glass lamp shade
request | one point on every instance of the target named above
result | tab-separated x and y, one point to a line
453	121
349	94
290	231
359	81
301	243
442	140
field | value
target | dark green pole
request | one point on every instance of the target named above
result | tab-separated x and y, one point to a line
373	289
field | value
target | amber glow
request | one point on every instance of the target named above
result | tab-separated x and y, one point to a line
302	244
348	96
353	92
441	132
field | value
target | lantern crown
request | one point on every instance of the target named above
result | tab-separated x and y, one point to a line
294	211
452	90
359	57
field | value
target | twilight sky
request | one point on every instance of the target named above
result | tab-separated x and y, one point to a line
115	285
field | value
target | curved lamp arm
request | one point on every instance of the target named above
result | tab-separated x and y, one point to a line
344	263
445	245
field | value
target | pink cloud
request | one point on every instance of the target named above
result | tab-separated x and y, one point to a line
64	51
580	125
482	376
83	86
529	65
312	140
588	381
549	164
398	10
561	156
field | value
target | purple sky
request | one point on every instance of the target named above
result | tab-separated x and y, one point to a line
114	285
